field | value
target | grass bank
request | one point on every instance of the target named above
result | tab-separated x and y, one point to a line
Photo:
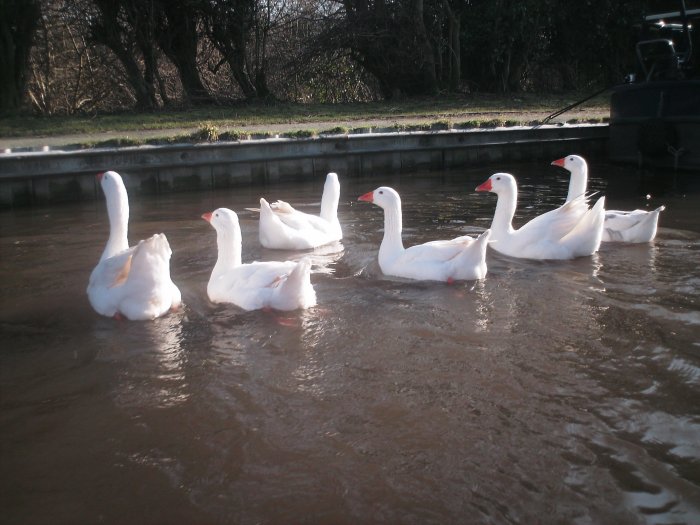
246	120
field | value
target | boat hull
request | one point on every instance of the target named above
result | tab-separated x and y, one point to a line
656	124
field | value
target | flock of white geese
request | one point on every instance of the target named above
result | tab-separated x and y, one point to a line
134	282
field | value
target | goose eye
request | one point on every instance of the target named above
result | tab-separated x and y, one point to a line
381	193
498	178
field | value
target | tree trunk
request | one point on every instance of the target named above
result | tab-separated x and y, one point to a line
142	90
232	26
236	63
426	63
178	38
189	76
142	17
18	20
262	31
150	74
107	30
453	47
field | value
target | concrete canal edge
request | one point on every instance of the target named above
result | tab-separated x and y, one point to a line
36	178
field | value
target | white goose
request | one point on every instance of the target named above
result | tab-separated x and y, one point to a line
271	284
131	282
284	228
572	230
462	258
635	226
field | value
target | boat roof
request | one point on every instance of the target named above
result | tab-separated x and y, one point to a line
671	9
690	13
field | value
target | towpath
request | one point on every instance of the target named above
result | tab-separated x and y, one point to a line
57	142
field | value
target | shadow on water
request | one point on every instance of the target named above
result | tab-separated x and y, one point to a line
549	392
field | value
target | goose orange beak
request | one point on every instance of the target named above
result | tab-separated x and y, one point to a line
99	176
207	216
486	186
367	197
559	162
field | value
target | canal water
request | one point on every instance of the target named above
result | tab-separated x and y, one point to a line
550	392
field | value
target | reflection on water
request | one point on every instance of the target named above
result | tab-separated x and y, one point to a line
155	362
550	392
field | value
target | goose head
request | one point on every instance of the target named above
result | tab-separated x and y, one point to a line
572	163
499	183
228	238
579	174
330	199
111	182
384	197
332	183
222	219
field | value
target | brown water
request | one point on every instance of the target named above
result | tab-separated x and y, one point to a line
550	392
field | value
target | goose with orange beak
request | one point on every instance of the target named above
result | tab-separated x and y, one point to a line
462	258
572	230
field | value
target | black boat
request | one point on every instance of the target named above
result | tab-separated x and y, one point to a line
655	115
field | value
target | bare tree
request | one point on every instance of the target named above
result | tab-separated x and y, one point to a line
388	39
231	25
177	33
18	20
66	74
452	11
152	53
122	27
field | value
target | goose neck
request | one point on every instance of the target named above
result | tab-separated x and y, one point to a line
229	252
329	205
392	242
118	213
577	182
503	216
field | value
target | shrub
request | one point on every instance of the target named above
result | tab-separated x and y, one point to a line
493	123
337	130
234	135
300	134
208	132
469	124
441	125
